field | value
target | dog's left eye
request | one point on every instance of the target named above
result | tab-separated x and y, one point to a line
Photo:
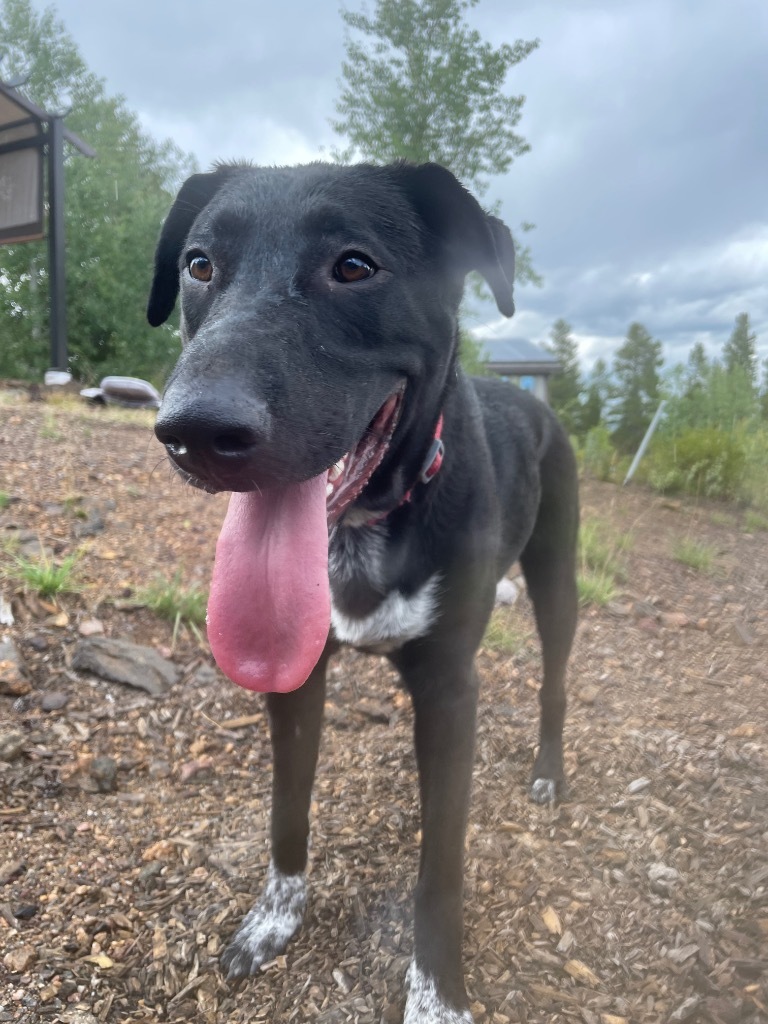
200	267
354	266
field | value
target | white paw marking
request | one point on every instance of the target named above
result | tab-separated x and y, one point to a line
544	791
425	1006
270	924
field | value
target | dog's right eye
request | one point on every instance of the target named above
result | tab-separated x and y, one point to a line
200	267
354	266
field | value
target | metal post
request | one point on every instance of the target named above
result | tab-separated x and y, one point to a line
58	312
645	442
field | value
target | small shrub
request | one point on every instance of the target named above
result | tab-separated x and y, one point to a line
600	561
695	554
45	577
595	587
599	456
170	600
704	461
754	521
502	634
5	500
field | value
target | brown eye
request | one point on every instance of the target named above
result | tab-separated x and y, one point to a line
354	266
200	268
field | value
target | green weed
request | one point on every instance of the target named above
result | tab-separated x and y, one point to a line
503	634
46	577
695	554
171	600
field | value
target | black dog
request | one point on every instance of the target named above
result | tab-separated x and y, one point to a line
380	492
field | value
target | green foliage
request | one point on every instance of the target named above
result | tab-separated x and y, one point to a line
705	462
419	84
601	552
695	554
114	206
565	387
739	352
171	600
598	456
754	521
45	577
636	370
472	355
5	500
503	633
598	390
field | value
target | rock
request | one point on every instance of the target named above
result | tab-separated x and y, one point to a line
620	609
11	746
662	878
588	693
685	1010
740	634
12	681
674	620
104	774
20	960
120	661
90	627
6	612
54	700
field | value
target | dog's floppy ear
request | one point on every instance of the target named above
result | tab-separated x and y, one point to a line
477	241
194	195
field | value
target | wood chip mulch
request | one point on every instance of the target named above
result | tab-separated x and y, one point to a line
642	898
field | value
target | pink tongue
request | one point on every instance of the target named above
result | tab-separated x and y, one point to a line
269	606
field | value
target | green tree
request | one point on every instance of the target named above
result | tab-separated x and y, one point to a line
636	372
597	394
764	392
422	85
739	352
114	206
565	387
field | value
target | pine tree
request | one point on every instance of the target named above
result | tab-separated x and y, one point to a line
597	394
636	371
739	352
565	387
419	84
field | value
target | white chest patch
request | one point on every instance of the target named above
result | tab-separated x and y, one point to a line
396	620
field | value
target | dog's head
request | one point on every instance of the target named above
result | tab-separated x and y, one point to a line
319	313
319	319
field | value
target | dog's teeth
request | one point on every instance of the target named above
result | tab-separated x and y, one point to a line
328	490
336	470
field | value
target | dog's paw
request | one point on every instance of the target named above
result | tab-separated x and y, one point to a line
268	927
544	791
425	1005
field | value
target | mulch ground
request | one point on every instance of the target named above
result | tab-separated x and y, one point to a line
642	897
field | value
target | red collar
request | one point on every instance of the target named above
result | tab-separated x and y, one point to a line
429	469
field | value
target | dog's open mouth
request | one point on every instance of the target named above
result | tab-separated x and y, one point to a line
348	477
269	606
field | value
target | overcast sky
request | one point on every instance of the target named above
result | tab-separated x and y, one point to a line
648	120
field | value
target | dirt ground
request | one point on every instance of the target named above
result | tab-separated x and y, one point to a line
643	897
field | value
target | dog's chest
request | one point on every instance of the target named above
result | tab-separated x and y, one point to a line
368	610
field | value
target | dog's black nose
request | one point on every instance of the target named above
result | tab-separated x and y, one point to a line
213	438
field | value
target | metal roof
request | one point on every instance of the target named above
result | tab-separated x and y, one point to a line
518	357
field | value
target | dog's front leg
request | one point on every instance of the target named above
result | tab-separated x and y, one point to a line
295	721
445	706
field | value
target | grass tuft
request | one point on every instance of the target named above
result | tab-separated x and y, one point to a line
503	634
171	600
695	554
46	577
601	565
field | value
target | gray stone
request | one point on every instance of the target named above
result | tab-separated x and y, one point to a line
11	745
104	774
120	661
12	681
